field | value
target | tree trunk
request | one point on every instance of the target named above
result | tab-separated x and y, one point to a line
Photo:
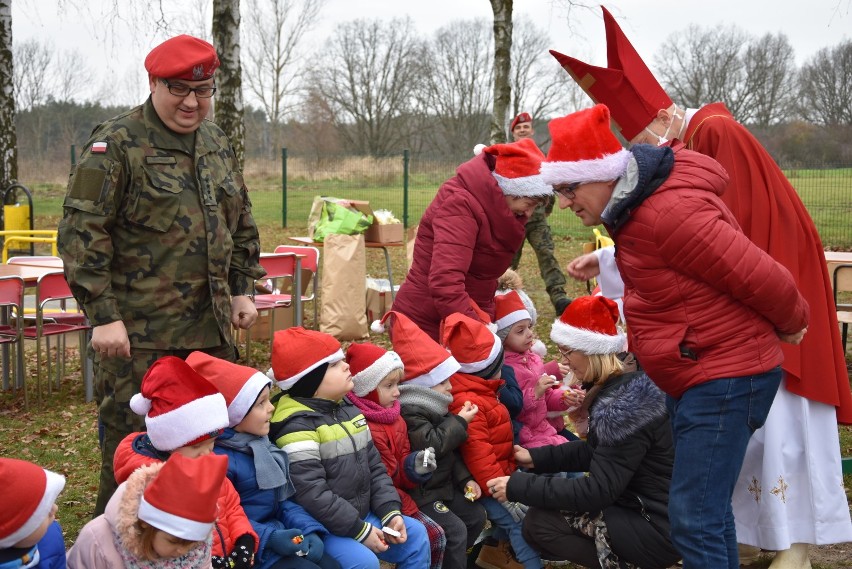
502	67
8	135
229	97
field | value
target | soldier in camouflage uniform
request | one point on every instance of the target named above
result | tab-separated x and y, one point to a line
158	240
538	233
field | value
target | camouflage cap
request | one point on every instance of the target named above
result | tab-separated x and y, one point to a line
183	57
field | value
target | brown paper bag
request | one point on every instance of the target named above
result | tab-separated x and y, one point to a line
344	288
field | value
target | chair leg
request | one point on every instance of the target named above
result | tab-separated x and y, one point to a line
49	366
844	333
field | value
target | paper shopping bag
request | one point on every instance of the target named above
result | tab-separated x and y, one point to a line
344	289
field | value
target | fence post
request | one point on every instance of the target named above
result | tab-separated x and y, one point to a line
283	187
73	156
406	159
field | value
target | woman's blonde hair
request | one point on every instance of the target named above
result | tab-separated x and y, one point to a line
602	367
146	540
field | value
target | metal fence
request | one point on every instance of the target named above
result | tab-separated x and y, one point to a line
282	190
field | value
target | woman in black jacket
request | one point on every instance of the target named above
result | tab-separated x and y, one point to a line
617	515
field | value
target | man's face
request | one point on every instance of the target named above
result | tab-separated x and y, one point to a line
650	134
588	201
182	115
522	130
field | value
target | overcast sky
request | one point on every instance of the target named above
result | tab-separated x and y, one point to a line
113	58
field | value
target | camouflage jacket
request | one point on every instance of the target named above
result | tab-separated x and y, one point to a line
158	232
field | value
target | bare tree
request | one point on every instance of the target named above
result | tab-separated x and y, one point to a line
770	79
369	76
31	77
272	67
8	136
825	86
698	66
458	85
502	10
229	103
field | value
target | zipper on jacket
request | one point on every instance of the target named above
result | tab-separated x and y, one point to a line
642	509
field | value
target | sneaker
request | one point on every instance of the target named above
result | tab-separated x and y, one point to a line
497	557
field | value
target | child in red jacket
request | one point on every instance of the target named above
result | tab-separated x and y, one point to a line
376	374
488	451
184	413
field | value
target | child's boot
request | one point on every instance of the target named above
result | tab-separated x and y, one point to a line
794	558
497	557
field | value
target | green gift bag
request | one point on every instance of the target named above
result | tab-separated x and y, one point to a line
335	216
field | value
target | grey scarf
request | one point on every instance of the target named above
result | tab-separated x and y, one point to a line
425	397
270	462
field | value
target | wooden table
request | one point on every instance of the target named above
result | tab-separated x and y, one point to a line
369	245
46	262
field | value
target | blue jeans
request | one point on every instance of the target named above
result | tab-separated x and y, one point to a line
711	425
505	525
413	554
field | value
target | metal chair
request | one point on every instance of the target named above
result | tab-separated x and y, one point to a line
310	268
52	288
12	299
841	282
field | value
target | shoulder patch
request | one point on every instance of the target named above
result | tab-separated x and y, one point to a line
99	147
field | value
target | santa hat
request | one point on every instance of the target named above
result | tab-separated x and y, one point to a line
584	149
426	363
296	352
522	117
471	342
589	325
626	85
181	408
369	364
509	309
27	493
240	385
517	168
182	499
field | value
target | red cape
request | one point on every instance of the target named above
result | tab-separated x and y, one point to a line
770	212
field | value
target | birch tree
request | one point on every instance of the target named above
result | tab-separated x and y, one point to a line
8	136
229	97
502	10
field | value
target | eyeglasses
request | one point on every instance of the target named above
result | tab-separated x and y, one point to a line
567	192
565	353
181	90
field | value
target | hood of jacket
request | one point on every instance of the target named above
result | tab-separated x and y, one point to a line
624	406
123	508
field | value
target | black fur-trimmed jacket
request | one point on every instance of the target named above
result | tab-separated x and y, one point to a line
628	456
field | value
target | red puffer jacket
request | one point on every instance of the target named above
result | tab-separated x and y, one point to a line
466	239
135	450
488	451
695	284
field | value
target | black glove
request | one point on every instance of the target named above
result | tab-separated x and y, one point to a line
282	542
315	547
242	556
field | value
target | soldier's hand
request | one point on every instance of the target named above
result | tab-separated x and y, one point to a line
243	312
110	340
584	267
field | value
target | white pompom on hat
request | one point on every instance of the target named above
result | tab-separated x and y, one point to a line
181	408
369	364
240	385
589	324
27	492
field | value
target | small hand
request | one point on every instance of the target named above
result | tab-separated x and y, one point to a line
315	547
468	411
398	524
544	383
584	267
425	461
375	542
523	457
472	490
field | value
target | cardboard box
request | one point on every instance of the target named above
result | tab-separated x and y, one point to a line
379	302
268	323
390	233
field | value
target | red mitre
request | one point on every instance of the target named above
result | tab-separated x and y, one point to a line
626	86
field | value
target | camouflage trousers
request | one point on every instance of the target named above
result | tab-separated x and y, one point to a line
541	240
116	381
595	528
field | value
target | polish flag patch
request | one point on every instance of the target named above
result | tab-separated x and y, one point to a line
99	147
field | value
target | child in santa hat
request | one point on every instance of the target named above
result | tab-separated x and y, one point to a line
290	538
161	517
184	413
543	393
337	472
450	494
488	451
30	536
376	374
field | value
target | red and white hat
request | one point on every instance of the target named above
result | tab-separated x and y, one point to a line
522	117
240	385
27	492
626	85
584	149
369	364
517	168
589	325
470	341
509	309
426	363
180	407
182	498
297	351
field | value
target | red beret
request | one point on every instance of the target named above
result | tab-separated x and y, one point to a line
522	117
182	57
